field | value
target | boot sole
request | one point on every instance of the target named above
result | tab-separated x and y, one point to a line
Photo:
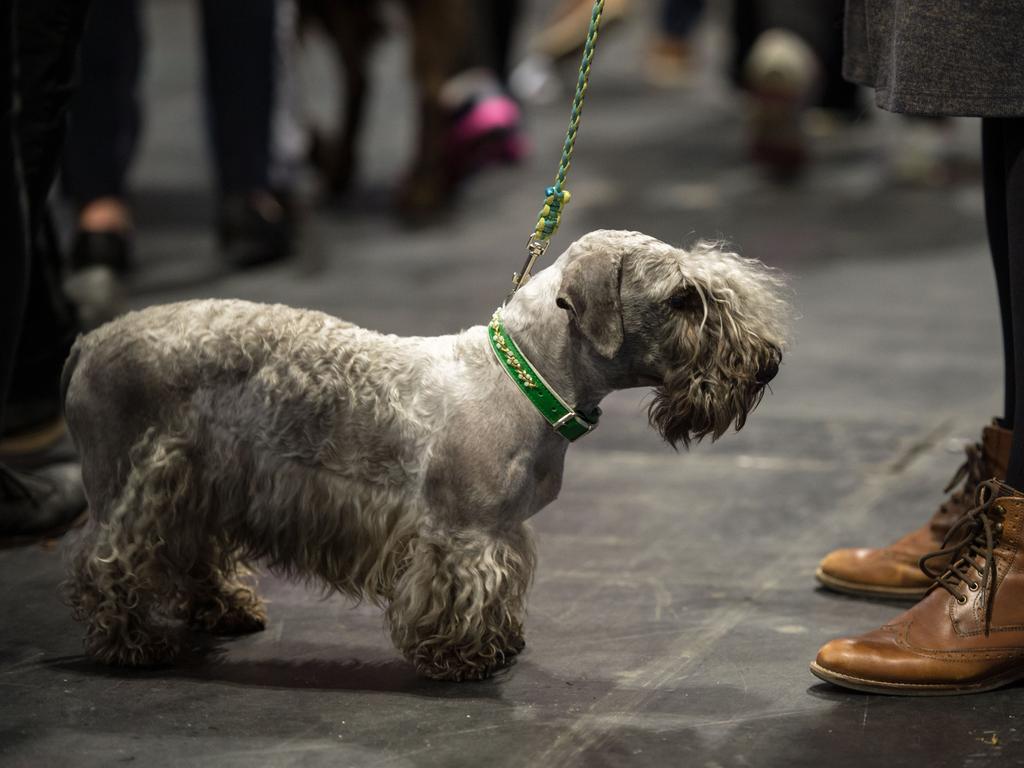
42	537
911	689
868	590
32	441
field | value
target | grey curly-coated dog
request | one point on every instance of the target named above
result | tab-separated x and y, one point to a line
218	434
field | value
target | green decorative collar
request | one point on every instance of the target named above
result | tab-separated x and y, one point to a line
565	420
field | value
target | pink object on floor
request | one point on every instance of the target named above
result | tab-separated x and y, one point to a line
487	133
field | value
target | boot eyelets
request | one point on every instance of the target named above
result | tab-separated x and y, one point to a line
974	586
962	599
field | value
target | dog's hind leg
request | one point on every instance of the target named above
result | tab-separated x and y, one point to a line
458	607
113	591
224	599
128	577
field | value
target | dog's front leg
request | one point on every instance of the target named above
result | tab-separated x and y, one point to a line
458	606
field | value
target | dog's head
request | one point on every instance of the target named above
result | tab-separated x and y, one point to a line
705	326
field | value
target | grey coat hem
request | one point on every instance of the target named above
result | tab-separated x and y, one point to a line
938	57
937	103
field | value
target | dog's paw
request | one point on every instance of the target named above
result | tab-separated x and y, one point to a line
458	666
135	650
239	621
241	614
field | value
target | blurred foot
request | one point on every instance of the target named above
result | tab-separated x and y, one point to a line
255	228
97	293
782	72
105	214
671	62
41	504
101	255
566	30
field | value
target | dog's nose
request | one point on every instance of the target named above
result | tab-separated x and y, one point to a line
768	371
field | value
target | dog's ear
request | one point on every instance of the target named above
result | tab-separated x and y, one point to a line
590	293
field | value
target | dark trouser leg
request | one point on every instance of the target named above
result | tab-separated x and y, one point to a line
679	17
105	115
239	43
485	41
49	330
995	220
39	43
1004	162
14	242
496	21
38	60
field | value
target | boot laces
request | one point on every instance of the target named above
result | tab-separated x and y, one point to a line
971	473
970	545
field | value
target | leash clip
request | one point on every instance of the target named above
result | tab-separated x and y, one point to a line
535	248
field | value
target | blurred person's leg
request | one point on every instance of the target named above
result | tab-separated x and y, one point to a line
996	222
565	33
105	121
485	121
32	416
1003	158
102	136
14	235
38	57
240	47
496	22
440	34
671	59
354	29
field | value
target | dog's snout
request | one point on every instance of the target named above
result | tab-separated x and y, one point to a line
770	369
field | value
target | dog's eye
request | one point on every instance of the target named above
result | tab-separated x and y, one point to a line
685	299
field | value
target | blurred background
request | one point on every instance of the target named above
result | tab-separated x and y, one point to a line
692	576
709	129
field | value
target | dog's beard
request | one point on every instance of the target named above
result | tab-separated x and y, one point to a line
686	408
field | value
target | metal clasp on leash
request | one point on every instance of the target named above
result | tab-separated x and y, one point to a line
535	248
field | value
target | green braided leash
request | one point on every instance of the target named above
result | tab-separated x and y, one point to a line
556	196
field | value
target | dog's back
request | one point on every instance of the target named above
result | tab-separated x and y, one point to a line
140	372
239	380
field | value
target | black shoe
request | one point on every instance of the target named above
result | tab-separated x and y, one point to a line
99	260
255	228
107	249
39	505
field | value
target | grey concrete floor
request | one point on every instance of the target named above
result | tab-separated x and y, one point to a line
674	611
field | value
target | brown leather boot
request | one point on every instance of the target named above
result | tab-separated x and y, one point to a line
893	571
967	634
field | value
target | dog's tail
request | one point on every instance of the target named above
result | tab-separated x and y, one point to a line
69	370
